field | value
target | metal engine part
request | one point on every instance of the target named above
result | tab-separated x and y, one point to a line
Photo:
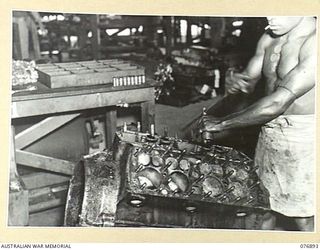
93	196
148	180
191	172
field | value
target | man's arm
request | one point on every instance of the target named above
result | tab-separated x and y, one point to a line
302	78
247	79
295	84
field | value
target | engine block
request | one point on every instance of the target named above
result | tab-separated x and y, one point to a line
150	180
173	168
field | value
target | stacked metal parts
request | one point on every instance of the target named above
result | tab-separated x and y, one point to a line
23	73
128	80
170	167
84	73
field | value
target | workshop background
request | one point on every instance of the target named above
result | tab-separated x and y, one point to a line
184	58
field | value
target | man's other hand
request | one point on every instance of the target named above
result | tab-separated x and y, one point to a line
237	82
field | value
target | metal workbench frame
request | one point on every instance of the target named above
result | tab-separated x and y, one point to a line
61	106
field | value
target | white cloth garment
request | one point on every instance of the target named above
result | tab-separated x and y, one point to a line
285	155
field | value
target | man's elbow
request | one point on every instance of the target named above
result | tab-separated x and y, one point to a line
278	103
275	109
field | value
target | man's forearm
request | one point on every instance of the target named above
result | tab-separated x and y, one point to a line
260	112
253	115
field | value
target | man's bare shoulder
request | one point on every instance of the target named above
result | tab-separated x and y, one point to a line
265	40
309	46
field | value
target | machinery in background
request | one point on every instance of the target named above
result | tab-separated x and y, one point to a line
190	75
164	76
160	181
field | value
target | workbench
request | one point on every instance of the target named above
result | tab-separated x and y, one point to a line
60	106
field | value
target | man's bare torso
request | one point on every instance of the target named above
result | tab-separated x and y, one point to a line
281	56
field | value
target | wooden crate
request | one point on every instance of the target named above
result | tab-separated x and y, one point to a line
85	73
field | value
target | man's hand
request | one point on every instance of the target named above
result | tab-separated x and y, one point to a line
210	124
238	82
197	128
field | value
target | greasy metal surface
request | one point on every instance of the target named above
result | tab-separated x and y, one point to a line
101	189
75	196
159	211
186	171
204	186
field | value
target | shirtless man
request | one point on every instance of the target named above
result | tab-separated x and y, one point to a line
286	58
